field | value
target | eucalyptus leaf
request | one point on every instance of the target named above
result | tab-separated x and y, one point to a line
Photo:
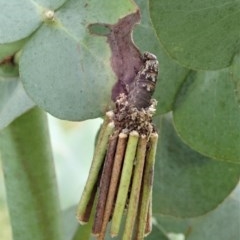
9	49
220	224
157	233
69	222
171	74
13	100
185	180
235	70
64	77
207	116
198	34
18	19
65	69
9	70
50	4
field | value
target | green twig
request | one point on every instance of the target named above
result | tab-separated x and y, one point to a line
124	182
97	163
147	187
136	188
119	156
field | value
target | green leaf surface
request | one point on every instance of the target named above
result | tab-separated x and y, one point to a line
50	4
9	49
171	74
235	70
18	19
9	70
220	224
30	178
188	184
72	229
13	100
207	116
67	71
198	34
64	78
69	222
157	234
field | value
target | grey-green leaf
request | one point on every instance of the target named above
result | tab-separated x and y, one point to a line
50	4
185	180
235	70
65	69
207	116
13	100
220	224
171	74
9	49
18	19
69	222
198	34
157	233
64	77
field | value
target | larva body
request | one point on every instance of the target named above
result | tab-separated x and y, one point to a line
143	86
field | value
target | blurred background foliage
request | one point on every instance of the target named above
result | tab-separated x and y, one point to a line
73	147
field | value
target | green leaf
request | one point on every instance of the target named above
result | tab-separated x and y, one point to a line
235	70
69	222
13	100
72	229
9	69
188	184
198	34
71	76
171	75
30	179
83	232
157	233
220	224
65	78
18	19
207	116
11	48
50	4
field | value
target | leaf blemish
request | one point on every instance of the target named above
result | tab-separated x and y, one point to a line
126	59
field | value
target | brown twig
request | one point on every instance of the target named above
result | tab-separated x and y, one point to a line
116	173
104	184
148	228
